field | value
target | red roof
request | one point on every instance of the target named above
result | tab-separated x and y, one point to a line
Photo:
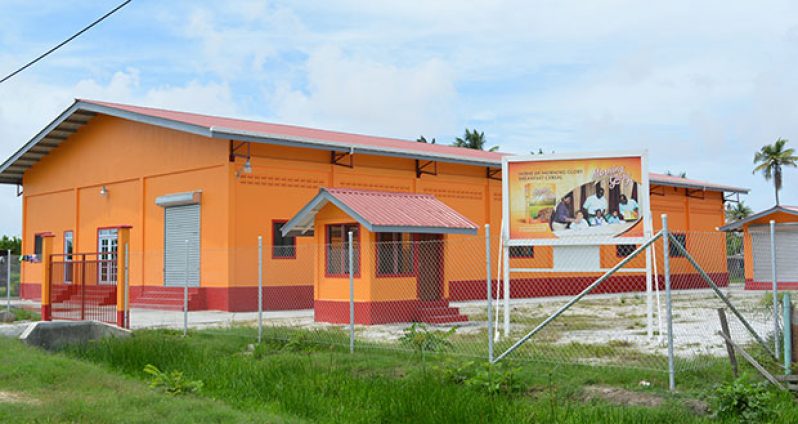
381	211
302	132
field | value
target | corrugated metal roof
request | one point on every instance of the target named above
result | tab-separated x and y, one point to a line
674	181
737	225
82	111
386	212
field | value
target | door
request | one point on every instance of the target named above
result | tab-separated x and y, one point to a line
182	245
430	266
106	255
786	242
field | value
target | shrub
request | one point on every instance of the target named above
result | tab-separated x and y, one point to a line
483	376
422	339
173	383
742	401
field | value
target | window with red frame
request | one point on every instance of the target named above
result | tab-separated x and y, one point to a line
337	249
283	247
394	254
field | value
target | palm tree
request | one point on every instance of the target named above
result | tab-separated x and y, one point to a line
770	160
473	139
737	212
423	139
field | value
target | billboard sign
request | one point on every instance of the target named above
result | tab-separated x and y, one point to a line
600	198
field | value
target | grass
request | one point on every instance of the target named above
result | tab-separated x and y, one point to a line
292	379
25	315
60	389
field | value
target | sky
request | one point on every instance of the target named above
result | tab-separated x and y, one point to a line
700	85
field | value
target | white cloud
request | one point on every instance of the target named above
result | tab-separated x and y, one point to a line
356	94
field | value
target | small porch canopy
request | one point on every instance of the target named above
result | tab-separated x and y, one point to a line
383	212
776	210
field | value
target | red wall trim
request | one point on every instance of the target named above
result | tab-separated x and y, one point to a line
230	299
768	285
570	286
30	291
366	313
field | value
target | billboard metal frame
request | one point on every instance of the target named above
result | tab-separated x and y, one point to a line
644	201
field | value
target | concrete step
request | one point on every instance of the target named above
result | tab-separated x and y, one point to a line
434	312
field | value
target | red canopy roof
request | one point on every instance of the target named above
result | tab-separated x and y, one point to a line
381	211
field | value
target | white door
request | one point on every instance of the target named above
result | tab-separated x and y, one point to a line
182	245
107	240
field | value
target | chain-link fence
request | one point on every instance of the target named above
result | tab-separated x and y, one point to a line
9	276
429	293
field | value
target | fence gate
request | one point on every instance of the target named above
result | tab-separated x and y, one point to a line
83	286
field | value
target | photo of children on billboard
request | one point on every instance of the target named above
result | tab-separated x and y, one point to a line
572	199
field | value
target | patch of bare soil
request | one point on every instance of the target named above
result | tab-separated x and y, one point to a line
623	397
11	397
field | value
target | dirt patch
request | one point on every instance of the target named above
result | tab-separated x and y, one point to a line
11	397
623	397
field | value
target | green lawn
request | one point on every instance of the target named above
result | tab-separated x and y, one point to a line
297	381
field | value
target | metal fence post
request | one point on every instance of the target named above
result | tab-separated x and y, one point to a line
489	296
185	297
126	276
260	288
8	280
774	278
666	254
506	287
351	297
787	320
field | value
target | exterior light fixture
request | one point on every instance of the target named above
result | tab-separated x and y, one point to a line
103	191
247	167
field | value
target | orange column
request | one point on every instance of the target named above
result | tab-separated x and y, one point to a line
122	253
47	250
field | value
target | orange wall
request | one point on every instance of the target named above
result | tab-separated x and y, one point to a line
136	163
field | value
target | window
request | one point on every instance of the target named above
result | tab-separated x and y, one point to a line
282	247
106	255
522	251
68	250
395	254
337	249
37	246
675	252
624	250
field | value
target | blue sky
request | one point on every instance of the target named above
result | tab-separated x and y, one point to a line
701	85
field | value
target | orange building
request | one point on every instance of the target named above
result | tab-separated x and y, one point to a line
196	191
757	247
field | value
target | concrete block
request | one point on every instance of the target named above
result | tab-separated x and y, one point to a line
53	335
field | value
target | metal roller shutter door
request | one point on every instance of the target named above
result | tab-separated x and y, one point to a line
181	224
786	253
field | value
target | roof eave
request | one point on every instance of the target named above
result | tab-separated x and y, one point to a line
737	225
282	140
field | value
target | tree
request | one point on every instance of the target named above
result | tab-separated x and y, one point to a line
473	139
14	243
422	139
737	212
770	160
